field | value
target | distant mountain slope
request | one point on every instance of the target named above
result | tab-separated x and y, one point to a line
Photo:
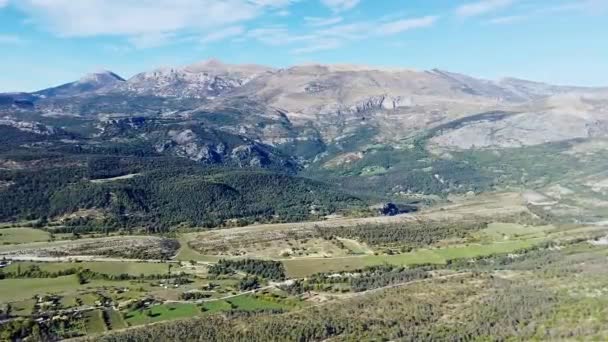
311	110
159	193
201	144
10	101
201	80
87	84
397	134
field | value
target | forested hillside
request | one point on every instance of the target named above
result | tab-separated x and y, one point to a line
110	192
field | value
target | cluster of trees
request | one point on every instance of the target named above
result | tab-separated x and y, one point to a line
409	171
30	192
157	249
412	234
544	258
19	329
369	278
267	269
194	295
381	276
249	283
489	310
34	271
69	325
164	194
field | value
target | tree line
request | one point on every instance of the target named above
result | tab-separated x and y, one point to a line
267	269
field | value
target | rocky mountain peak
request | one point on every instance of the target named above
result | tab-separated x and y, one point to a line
217	67
87	84
206	79
101	76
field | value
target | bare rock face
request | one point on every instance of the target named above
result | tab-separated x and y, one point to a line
525	129
30	127
307	106
88	84
198	143
207	79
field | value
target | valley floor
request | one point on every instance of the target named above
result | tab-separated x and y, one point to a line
354	276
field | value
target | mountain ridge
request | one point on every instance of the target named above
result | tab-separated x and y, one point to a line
217	67
321	105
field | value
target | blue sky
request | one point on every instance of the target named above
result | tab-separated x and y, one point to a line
47	42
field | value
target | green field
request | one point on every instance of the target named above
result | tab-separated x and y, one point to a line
162	313
24	307
9	236
299	268
245	303
475	250
303	267
186	253
507	231
21	289
94	323
116	320
356	247
252	303
88	299
72	300
216	306
14	290
68	301
110	267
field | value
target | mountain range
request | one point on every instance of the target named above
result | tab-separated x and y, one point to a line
396	134
330	102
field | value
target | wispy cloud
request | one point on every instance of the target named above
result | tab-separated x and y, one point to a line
145	22
318	22
9	39
278	36
531	11
273	3
3	3
586	6
482	7
325	36
340	5
403	25
117	49
322	45
150	40
509	19
228	32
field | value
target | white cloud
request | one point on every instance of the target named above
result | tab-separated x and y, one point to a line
482	7
506	19
335	36
150	40
340	5
117	49
277	36
145	22
318	22
322	45
586	6
228	32
135	17
273	3
9	39
154	23
399	26
352	31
